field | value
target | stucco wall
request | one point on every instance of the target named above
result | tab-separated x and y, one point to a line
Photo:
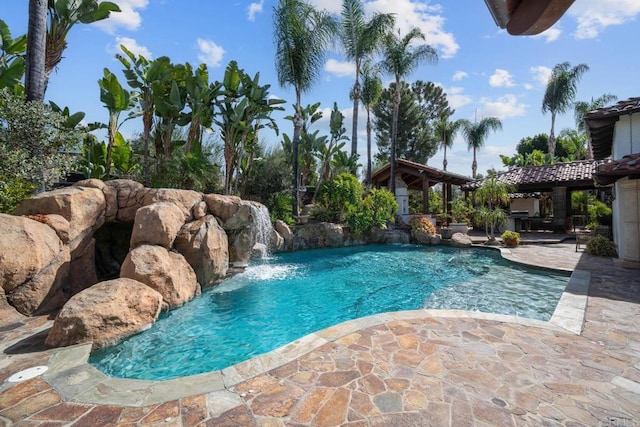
626	136
626	224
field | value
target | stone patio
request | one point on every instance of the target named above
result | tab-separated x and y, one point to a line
414	368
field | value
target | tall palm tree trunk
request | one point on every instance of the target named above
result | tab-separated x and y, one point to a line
444	162
354	130
368	147
552	137
474	165
297	127
394	137
36	50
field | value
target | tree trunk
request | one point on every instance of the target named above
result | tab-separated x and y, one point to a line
147	123
552	137
474	165
368	148
444	162
354	130
36	50
297	125
394	137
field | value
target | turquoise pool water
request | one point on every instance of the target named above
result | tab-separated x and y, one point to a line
290	295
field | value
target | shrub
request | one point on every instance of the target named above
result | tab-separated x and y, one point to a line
282	208
378	207
423	224
601	246
335	196
511	238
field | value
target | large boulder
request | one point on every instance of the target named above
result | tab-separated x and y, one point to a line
318	235
105	313
166	272
204	245
185	200
83	207
8	314
157	224
461	240
234	212
82	269
129	198
34	265
110	196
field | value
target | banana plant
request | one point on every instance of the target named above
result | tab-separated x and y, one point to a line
201	96
326	152
169	98
116	99
141	73
12	61
71	120
63	15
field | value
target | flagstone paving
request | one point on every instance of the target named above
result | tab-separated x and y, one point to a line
418	368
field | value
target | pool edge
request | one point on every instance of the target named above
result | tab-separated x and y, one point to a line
76	380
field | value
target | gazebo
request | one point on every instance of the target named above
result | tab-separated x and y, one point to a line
415	176
558	179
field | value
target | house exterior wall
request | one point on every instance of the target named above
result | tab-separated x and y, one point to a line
626	221
626	136
626	205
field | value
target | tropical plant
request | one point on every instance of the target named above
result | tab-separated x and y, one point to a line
559	94
370	94
326	153
335	196
116	99
446	132
12	63
36	51
400	58
476	134
360	39
422	224
142	74
510	238
302	35
601	246
493	194
376	209
461	211
63	15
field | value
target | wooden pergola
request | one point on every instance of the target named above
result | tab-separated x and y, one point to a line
421	177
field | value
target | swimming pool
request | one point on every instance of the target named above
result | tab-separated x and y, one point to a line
281	299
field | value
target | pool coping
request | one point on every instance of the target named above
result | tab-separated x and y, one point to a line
76	380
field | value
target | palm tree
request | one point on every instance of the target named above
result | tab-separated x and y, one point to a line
492	194
561	90
36	48
371	92
476	133
302	35
361	38
447	131
63	15
141	75
582	107
400	59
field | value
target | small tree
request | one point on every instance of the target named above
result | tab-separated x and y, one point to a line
493	194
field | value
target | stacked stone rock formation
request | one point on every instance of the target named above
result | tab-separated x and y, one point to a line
181	241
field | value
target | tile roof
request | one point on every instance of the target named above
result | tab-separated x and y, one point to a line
539	178
610	172
601	124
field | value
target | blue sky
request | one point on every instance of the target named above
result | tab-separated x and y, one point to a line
484	71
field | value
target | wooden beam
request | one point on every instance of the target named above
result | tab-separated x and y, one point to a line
535	16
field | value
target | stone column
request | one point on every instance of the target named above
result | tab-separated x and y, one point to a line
559	209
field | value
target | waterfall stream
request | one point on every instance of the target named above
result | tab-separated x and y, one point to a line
264	229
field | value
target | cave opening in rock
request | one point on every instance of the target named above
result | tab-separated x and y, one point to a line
112	247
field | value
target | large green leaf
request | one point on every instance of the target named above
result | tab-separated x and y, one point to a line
11	75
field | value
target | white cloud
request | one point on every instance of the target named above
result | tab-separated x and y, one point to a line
132	45
501	78
541	74
528	86
504	107
340	68
550	35
594	16
128	17
210	53
456	98
423	15
459	75
254	9
331	6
